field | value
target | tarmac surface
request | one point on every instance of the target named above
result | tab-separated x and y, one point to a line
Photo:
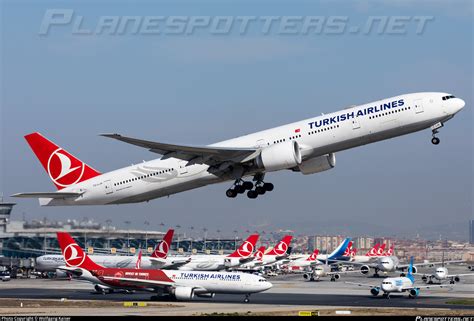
289	292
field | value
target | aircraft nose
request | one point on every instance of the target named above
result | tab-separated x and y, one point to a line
459	104
268	286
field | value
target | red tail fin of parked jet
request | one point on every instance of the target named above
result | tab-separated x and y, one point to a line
347	252
389	252
313	256
381	249
373	251
259	253
63	168
162	248
246	248
73	254
282	247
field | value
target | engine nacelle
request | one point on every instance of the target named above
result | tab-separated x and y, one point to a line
336	276
457	278
414	292
318	164
306	276
205	295
183	293
364	269
280	156
102	288
375	291
414	269
424	278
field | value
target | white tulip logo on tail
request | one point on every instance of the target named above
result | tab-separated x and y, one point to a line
63	170
73	255
162	249
246	249
281	248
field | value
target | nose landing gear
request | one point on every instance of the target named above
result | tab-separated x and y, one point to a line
434	129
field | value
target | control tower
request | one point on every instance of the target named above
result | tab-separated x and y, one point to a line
5	210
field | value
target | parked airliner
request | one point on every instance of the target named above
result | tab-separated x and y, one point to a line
398	285
306	146
176	284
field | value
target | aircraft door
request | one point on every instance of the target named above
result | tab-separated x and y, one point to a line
355	123
108	187
418	103
182	169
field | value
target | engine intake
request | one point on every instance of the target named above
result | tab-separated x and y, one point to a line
318	164
280	156
183	293
364	269
375	291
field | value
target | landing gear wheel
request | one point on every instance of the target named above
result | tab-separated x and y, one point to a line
247	185
402	274
451	282
240	189
247	300
252	194
435	140
260	190
268	187
333	280
231	193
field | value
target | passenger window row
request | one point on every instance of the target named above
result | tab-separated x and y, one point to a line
143	176
389	112
323	129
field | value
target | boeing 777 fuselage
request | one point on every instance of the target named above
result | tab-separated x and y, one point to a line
306	146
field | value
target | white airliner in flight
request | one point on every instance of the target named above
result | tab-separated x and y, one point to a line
306	146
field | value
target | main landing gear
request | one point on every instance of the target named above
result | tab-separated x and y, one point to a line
240	186
434	129
247	300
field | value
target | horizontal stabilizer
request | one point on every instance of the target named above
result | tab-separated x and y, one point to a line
55	195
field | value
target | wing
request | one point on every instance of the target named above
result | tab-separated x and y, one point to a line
369	264
362	284
139	282
405	266
176	263
430	286
343	272
200	154
462	274
57	195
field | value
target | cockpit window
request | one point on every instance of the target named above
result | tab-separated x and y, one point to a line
448	97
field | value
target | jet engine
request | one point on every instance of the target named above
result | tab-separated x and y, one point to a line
183	293
364	269
103	289
205	295
280	156
61	274
414	292
375	291
424	278
335	277
318	164
306	276
414	269
457	278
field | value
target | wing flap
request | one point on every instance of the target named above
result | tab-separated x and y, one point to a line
55	195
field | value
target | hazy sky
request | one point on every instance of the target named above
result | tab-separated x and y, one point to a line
201	88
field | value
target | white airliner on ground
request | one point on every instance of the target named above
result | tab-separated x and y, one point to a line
398	285
158	260
441	274
177	284
306	146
